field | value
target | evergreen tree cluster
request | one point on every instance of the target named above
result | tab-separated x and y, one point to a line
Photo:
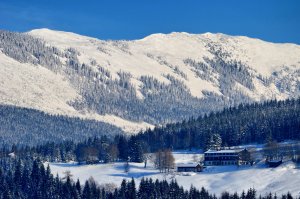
29	127
253	123
233	126
27	49
30	179
93	150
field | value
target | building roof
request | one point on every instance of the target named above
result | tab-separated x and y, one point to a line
274	161
224	151
188	165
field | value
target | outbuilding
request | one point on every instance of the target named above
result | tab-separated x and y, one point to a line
189	167
274	163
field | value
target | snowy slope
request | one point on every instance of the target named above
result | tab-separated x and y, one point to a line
36	87
215	178
146	56
211	70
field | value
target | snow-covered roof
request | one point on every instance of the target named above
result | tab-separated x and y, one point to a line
274	161
224	151
12	155
188	165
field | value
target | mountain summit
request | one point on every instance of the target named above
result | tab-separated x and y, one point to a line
140	83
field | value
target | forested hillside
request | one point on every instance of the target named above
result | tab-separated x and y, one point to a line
22	126
254	123
278	120
160	79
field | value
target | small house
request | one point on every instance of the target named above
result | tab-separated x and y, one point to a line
274	163
189	167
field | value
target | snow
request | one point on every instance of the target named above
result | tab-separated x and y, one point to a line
223	151
216	179
133	56
12	155
36	87
126	125
264	57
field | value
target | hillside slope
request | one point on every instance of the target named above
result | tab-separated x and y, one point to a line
29	127
137	84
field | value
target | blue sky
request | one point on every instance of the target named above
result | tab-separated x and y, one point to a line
271	20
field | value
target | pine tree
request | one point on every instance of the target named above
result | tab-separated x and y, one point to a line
18	175
123	148
135	150
132	194
7	194
86	193
78	186
123	190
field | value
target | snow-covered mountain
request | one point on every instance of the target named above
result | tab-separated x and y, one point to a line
140	83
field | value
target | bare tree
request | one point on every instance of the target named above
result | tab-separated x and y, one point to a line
67	174
296	152
169	160
158	160
92	182
147	156
164	160
246	157
91	155
126	167
108	187
272	151
113	152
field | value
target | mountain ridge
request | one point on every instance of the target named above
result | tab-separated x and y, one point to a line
155	80
157	34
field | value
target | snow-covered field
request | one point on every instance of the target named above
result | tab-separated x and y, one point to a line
216	178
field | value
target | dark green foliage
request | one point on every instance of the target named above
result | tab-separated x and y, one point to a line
135	150
24	126
233	126
237	125
122	144
40	184
163	103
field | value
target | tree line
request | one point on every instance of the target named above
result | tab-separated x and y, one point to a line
31	179
93	150
29	127
252	123
261	123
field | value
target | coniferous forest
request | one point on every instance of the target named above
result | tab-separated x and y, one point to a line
149	99
22	175
253	123
25	178
27	127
